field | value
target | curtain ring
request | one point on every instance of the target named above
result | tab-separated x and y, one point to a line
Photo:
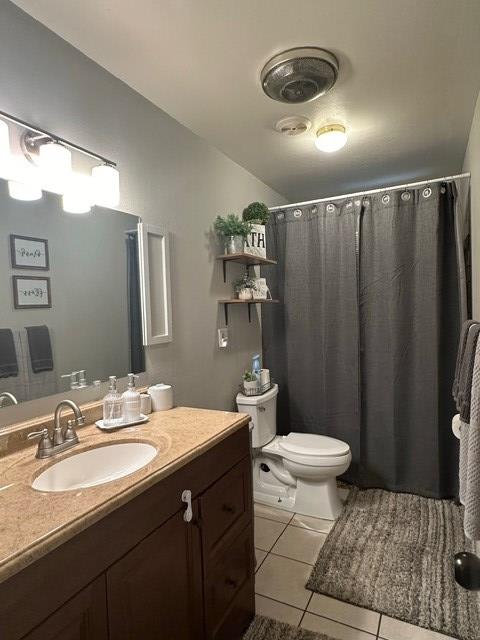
427	192
330	207
406	195
314	209
386	198
297	213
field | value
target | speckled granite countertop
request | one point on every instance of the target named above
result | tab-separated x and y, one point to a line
32	523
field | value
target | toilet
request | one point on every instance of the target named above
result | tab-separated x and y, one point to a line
296	472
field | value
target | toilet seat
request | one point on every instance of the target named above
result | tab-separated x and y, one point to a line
309	444
294	449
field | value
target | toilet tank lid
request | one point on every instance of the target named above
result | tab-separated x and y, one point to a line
257	400
314	445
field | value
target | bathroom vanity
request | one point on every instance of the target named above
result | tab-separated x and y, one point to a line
129	559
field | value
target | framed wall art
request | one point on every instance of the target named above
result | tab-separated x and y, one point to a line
31	292
29	253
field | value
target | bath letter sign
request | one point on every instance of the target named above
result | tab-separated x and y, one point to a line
255	243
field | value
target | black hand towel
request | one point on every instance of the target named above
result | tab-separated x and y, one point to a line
8	354
40	348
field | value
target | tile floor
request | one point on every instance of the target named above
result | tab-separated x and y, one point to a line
287	546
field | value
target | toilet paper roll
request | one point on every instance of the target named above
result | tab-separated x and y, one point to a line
456	425
162	397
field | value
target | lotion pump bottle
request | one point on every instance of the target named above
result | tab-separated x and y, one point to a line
112	405
131	401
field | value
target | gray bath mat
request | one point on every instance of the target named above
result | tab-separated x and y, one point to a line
393	553
266	629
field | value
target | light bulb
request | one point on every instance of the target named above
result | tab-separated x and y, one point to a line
331	138
77	197
56	164
106	185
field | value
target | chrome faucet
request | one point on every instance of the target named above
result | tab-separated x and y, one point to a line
61	439
8	396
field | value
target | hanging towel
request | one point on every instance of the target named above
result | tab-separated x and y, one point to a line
8	354
472	484
466	373
461	350
40	348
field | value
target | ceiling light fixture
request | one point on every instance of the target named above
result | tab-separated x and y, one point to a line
331	138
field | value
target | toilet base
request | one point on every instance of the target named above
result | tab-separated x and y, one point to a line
319	499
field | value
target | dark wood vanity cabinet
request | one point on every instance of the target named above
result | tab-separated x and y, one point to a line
143	572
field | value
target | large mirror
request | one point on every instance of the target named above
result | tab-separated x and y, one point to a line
70	298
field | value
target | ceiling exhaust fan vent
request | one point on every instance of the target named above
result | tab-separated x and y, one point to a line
299	75
293	125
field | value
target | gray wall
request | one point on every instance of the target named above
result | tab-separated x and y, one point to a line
88	321
472	164
169	177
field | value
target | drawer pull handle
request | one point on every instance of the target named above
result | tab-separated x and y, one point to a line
230	583
228	508
187	499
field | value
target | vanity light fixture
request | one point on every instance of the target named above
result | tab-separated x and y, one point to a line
331	138
50	168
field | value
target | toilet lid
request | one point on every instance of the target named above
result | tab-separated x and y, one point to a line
313	445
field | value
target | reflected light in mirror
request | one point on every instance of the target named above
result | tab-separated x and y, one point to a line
56	165
106	185
24	191
77	197
23	183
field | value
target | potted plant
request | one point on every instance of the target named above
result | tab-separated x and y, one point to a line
234	232
250	382
256	214
245	287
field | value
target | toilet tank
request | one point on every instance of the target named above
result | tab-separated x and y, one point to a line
263	413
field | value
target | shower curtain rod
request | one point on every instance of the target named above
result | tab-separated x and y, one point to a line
366	193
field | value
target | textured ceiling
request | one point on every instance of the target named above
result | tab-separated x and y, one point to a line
406	91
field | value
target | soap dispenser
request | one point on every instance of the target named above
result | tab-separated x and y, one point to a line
112	405
131	401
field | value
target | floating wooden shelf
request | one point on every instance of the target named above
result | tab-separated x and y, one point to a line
243	258
227	303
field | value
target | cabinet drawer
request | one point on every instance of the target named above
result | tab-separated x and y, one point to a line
227	504
226	578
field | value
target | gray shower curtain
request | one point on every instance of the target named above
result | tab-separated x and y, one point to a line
364	345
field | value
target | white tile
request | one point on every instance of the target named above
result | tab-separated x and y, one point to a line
266	533
333	629
300	544
284	580
277	610
271	513
344	612
259	557
315	524
391	629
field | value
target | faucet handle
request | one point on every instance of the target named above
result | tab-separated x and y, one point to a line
45	441
70	433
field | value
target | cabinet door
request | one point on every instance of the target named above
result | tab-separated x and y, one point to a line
84	617
155	591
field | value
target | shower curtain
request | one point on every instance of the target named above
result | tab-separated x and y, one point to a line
363	346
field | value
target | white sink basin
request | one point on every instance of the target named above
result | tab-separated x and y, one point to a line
95	466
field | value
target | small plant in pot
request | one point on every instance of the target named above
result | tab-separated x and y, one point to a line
234	231
245	287
257	215
250	382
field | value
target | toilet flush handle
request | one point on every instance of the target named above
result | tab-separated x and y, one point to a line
261	408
